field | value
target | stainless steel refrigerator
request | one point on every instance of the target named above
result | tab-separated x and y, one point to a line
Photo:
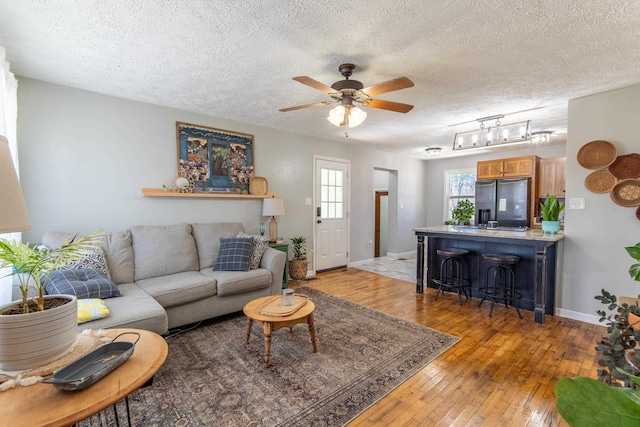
503	200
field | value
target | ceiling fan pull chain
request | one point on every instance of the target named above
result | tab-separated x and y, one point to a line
346	122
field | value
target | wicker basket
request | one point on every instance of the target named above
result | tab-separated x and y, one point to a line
597	154
258	186
626	193
298	268
601	181
626	166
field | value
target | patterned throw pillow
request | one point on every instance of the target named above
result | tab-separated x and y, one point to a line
233	254
95	260
91	309
258	247
83	283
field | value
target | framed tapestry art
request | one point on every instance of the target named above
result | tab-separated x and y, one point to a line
215	160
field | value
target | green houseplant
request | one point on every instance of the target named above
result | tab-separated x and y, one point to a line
36	331
463	212
614	399
33	263
551	210
298	264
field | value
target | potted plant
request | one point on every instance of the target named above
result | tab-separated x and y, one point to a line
298	264
35	331
551	210
618	383
463	212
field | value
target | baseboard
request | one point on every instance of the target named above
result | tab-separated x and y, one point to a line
356	263
401	254
575	315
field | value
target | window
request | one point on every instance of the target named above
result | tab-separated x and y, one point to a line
331	193
458	185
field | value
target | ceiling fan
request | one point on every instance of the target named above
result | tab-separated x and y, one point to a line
347	92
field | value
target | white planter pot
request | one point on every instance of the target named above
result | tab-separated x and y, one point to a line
34	339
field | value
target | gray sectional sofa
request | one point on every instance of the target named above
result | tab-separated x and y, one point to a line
166	277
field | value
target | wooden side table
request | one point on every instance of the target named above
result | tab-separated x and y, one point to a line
284	247
272	323
44	405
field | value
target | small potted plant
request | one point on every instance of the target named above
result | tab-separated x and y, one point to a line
49	322
463	212
551	210
298	264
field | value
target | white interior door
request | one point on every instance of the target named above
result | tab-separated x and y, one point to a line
332	213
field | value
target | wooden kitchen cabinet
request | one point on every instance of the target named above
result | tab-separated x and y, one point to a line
553	176
516	167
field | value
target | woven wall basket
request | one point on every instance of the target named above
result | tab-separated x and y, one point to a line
601	181
597	154
626	193
626	166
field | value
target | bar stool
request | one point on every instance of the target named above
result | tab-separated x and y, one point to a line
505	289
451	273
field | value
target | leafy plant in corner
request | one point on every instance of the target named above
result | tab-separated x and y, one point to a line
463	211
614	398
551	208
299	247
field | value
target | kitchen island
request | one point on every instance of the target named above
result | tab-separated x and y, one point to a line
536	272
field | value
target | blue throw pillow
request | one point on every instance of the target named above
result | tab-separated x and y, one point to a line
83	283
234	254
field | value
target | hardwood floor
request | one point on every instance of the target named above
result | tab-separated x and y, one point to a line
502	372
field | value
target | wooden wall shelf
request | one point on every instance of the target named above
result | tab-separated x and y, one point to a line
159	192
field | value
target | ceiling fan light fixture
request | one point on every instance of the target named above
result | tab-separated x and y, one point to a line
344	114
356	116
336	116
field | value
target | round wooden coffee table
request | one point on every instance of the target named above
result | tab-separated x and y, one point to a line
272	323
44	405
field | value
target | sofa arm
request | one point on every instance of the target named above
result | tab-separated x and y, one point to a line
273	260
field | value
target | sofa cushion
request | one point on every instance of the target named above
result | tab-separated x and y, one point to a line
234	254
237	282
179	288
83	283
91	309
137	310
95	259
258	246
117	250
207	237
163	250
119	254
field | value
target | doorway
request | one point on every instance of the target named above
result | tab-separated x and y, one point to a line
381	224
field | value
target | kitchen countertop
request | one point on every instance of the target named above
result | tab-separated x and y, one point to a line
470	230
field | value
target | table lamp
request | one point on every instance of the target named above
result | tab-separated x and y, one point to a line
13	209
273	207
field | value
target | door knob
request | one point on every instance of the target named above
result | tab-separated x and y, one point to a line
319	222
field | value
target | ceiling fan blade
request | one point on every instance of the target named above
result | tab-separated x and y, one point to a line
388	86
398	107
314	84
300	107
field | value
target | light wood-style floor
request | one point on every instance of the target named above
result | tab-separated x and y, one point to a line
501	373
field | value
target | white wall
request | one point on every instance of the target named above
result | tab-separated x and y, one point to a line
85	157
595	257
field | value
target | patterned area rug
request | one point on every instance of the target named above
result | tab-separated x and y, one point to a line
397	268
212	378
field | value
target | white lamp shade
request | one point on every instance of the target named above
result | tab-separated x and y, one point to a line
336	116
356	116
13	210
273	207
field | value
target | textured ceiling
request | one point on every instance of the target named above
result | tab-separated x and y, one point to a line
468	59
